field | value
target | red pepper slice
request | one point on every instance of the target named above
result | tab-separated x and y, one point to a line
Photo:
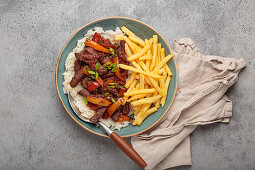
123	118
93	86
100	81
114	106
107	82
105	116
122	91
117	72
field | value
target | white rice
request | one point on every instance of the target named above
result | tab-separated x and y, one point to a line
69	73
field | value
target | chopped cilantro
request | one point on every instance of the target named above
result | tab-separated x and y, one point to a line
113	100
112	51
96	75
97	66
91	72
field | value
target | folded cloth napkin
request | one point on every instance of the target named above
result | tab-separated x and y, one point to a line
200	99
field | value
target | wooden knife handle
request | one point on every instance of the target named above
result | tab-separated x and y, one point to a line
129	151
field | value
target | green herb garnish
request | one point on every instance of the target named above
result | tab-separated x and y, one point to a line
112	83
106	93
114	69
113	100
111	87
97	66
96	75
85	100
112	51
91	72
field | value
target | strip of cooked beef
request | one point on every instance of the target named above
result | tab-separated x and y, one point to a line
99	113
95	91
86	58
109	74
102	41
102	70
86	82
84	92
77	65
109	90
93	106
99	95
76	78
107	59
116	115
125	109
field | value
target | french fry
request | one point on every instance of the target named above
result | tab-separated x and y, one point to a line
159	52
166	88
145	57
119	37
139	71
162	53
169	72
136	65
137	40
141	81
127	31
137	77
147	113
127	50
135	48
146	100
155	42
133	84
161	71
165	60
142	52
142	91
136	97
131	79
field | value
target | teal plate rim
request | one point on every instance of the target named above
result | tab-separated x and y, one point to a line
82	123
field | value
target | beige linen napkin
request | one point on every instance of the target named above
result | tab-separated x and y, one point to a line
200	99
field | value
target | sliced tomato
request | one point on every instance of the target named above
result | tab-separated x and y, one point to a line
117	72
123	118
122	91
93	86
100	81
114	106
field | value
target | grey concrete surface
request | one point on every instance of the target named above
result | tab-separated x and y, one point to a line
37	133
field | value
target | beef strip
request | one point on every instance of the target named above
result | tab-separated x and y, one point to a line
125	109
109	74
99	113
116	115
107	59
77	65
86	58
86	82
109	90
84	92
102	70
76	78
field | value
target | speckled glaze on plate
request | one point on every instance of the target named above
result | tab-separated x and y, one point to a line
143	31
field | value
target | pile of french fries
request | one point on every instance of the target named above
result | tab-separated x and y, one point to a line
150	78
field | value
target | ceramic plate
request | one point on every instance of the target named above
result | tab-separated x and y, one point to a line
143	31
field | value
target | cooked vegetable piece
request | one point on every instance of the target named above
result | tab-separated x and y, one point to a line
93	86
114	106
98	101
96	46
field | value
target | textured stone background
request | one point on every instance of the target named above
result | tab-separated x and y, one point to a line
36	132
